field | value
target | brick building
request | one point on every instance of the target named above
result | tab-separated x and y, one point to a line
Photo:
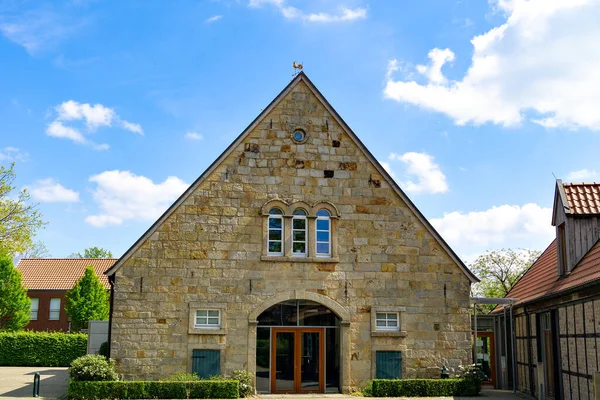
557	316
47	281
294	256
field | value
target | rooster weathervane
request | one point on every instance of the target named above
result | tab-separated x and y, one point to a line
297	68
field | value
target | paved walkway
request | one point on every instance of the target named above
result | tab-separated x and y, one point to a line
485	394
17	382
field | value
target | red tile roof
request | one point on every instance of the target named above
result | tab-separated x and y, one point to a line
583	198
60	273
542	277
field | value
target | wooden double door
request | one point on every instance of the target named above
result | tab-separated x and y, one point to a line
297	360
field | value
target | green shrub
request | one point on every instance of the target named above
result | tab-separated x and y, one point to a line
367	390
182	377
203	389
103	350
424	387
26	348
93	367
244	381
473	373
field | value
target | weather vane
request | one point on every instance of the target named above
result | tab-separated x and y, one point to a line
297	68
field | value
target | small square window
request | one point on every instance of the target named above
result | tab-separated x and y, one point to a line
208	319
385	321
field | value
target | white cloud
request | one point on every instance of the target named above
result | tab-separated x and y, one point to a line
474	232
541	65
49	191
433	71
57	129
38	30
213	18
422	174
260	3
194	136
92	116
345	14
122	196
12	154
132	127
289	12
583	175
100	147
388	168
100	221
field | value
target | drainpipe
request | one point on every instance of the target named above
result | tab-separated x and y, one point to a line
505	377
475	345
514	358
111	280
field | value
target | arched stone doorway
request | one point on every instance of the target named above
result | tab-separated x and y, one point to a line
298	343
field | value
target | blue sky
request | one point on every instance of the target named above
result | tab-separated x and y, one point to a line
110	109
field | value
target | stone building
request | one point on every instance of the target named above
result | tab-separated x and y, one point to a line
296	257
557	315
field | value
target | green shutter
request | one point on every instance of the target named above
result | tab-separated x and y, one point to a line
388	365
206	363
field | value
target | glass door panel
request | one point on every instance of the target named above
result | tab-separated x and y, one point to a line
297	360
283	365
486	356
310	361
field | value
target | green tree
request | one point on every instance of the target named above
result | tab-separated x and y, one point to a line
93	252
14	303
88	300
35	250
499	270
19	218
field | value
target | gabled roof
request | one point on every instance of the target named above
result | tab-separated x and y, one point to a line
541	279
60	273
299	78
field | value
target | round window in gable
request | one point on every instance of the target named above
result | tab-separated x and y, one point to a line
299	135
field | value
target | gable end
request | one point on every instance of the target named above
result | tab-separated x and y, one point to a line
300	77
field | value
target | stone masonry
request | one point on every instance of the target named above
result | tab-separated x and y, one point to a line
210	251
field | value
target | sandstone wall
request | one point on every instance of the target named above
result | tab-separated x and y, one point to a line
209	251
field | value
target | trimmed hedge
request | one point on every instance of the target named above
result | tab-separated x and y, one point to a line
154	390
424	387
56	349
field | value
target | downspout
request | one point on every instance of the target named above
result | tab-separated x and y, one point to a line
505	378
475	335
513	351
111	280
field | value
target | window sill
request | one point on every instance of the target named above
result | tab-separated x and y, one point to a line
202	331
300	259
389	333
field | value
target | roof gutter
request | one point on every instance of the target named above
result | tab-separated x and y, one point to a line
493	300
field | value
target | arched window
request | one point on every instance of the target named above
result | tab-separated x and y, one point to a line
299	233
323	234
275	239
